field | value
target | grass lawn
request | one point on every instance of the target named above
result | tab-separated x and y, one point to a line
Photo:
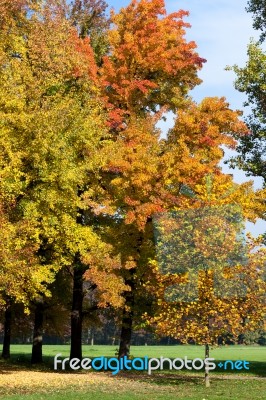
19	380
192	390
256	355
235	352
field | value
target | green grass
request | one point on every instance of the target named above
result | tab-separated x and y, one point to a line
183	390
236	352
256	355
161	385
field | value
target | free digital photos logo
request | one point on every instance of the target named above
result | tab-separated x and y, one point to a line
145	364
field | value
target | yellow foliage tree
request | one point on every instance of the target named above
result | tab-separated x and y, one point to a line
212	282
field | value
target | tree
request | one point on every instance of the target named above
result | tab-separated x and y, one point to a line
53	137
22	277
250	80
258	9
212	285
89	18
83	136
149	67
150	64
149	176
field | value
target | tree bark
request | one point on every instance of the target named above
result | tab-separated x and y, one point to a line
7	333
128	311
36	355
76	314
207	376
127	322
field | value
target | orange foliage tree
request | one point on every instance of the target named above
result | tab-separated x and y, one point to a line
149	176
150	65
150	68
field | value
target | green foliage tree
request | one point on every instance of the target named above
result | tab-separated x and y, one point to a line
258	9
251	80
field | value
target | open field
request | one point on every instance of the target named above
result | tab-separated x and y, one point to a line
19	380
256	355
251	353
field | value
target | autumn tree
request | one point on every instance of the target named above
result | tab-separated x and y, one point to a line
212	281
150	64
137	76
52	145
22	277
149	177
83	143
150	68
90	19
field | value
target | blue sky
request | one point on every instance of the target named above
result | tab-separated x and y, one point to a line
222	30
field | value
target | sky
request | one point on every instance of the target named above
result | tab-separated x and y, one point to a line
222	30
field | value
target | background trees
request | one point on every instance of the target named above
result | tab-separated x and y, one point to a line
251	80
258	9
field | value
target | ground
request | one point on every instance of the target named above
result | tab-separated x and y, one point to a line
19	380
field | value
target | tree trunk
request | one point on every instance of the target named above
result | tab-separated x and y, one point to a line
207	376
7	333
76	314
128	311
127	323
36	355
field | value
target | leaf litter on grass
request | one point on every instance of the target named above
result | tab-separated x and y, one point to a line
19	381
14	380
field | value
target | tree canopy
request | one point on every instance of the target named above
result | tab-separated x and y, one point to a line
84	170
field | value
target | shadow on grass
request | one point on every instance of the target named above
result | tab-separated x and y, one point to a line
22	362
256	368
166	378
